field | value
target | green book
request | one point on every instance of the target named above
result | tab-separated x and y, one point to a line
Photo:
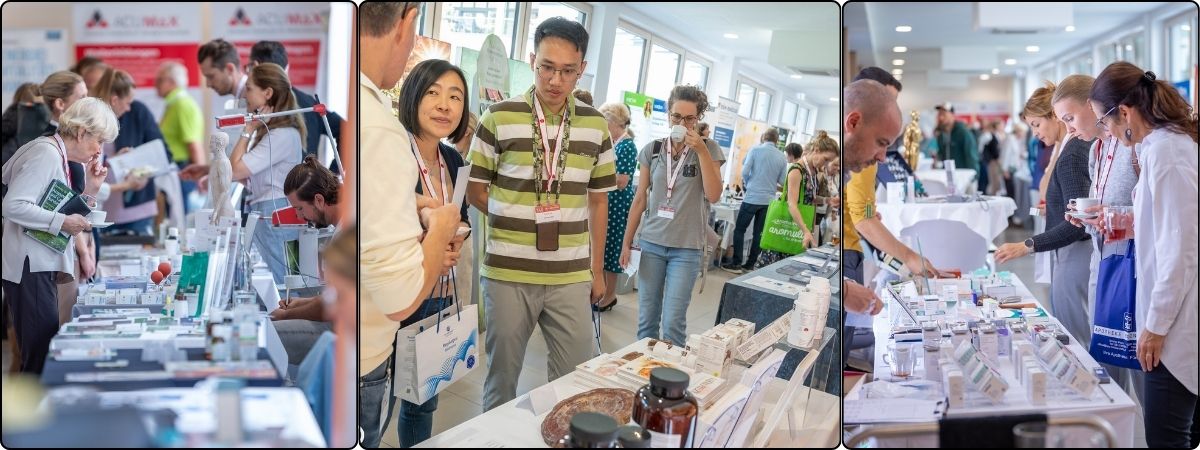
59	198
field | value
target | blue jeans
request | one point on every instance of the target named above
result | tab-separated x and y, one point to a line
666	277
270	240
372	389
185	188
1171	411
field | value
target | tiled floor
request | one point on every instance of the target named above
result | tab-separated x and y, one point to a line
618	328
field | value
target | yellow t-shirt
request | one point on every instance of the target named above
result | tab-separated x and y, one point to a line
859	198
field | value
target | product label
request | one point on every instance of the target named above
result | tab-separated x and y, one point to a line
663	440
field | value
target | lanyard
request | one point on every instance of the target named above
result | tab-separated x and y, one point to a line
62	151
425	172
550	167
673	175
1102	182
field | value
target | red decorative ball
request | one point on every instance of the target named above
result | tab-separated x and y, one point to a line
156	277
164	268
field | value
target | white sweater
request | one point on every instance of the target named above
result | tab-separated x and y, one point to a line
27	174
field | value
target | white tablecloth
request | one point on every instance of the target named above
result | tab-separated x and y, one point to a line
989	218
514	424
1109	401
964	179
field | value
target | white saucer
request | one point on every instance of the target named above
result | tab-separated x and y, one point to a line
1082	215
101	224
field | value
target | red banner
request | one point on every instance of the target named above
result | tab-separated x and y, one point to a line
303	59
143	60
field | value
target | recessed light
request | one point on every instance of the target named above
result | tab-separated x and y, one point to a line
900	49
985	77
1070	28
1010	62
833	99
903	29
1129	47
731	36
1032	49
897	71
898	77
796	76
897	62
1185	27
995	71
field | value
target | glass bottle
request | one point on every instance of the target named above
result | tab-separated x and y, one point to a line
666	409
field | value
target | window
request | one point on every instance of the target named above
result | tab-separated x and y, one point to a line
789	113
802	121
745	99
539	12
762	105
1130	47
664	68
1181	48
695	73
467	24
628	52
1081	64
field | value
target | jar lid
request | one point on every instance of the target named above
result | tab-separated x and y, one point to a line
593	427
668	378
633	436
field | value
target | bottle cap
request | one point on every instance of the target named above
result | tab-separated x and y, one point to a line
591	427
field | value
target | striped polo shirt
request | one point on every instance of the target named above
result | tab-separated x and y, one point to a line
502	157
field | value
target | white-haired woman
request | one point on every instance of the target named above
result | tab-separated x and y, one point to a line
32	269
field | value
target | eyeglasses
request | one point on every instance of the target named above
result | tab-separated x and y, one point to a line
548	72
1100	122
676	118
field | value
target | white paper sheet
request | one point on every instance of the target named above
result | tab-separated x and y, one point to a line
151	155
783	287
879	410
264	284
460	188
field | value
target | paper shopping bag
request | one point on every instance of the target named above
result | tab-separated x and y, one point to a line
436	352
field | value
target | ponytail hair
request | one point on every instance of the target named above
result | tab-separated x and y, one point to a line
1158	102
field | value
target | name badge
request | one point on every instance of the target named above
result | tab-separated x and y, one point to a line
666	212
1035	212
548	213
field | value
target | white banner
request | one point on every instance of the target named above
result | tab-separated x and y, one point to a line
31	55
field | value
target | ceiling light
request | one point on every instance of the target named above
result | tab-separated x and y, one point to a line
833	99
731	36
1185	27
1010	62
900	49
995	71
985	77
897	71
1070	28
897	62
1032	49
903	29
796	76
898	77
1129	47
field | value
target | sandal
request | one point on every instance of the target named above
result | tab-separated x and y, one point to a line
604	308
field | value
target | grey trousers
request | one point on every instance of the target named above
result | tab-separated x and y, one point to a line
1070	278
511	310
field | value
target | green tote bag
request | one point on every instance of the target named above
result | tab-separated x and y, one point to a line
780	233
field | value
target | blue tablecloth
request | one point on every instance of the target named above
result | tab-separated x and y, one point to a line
762	306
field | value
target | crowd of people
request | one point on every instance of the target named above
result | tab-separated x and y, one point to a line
66	129
567	207
1123	138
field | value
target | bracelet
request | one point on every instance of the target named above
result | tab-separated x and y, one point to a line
90	200
246	135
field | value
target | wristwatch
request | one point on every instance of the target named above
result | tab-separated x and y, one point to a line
246	135
1029	243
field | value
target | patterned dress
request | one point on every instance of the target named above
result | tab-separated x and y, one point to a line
619	202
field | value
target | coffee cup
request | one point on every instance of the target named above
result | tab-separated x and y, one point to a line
678	132
97	216
1083	203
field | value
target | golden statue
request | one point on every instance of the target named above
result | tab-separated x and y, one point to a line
912	140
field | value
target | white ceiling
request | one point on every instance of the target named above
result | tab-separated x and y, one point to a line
872	33
754	24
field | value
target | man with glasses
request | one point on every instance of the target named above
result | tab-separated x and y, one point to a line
763	172
542	164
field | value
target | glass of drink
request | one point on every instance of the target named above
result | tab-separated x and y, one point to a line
1119	221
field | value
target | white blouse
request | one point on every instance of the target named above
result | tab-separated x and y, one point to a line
1164	223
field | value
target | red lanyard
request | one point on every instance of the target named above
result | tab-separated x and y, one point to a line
62	151
551	165
425	172
1102	182
673	175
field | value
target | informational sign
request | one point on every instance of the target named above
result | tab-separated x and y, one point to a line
31	55
491	84
138	38
300	27
647	118
784	135
748	134
726	121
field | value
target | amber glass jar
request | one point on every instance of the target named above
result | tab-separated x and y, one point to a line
666	409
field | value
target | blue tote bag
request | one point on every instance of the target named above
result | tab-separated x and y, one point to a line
1114	330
